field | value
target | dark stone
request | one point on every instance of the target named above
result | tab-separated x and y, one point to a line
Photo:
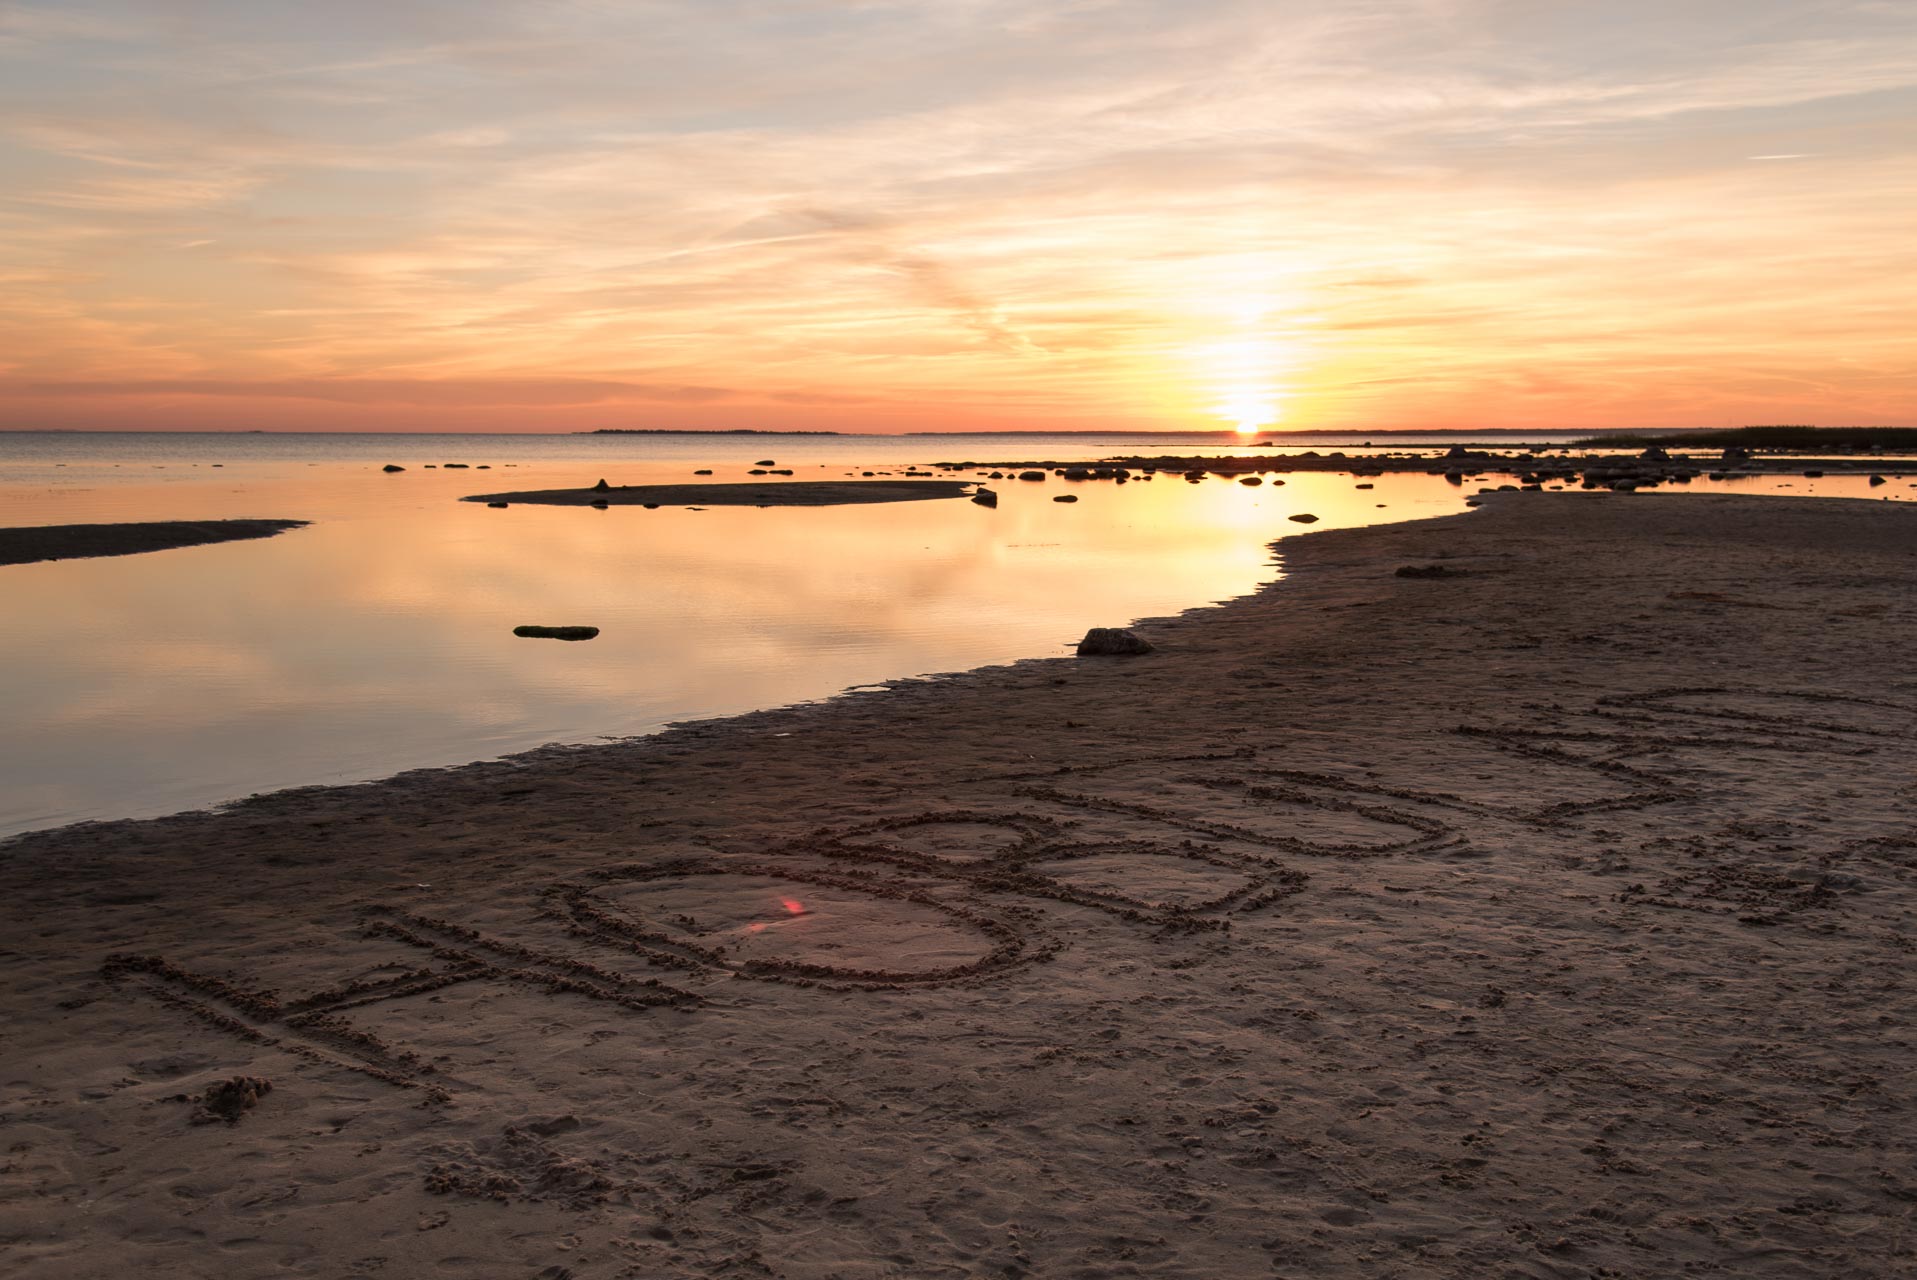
1254	480
389	468
702	473
765	462
1303	518
453	466
1066	497
1654	454
1813	475
1875	481
497	506
1077	473
985	498
555	633
1101	641
651	506
1031	475
602	487
230	1099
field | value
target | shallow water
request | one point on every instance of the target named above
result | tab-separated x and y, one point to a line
380	638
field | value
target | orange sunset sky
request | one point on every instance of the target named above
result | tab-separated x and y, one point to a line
873	215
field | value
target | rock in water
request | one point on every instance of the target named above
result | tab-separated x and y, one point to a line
498	506
985	498
389	468
1112	640
1031	475
556	633
1066	497
1304	518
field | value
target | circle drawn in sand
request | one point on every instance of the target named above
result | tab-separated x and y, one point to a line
1158	884
1149	878
788	924
763	919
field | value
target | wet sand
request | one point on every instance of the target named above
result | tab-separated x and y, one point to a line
1547	917
792	493
32	544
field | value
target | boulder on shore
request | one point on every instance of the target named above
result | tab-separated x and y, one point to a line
556	633
1112	640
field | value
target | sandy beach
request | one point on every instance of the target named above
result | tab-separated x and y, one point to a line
790	493
35	543
1545	912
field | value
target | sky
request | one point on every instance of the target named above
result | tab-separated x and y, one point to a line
913	215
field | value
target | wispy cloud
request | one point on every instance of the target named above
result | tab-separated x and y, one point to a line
909	214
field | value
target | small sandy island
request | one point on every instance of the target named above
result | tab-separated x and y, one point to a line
75	541
1549	916
795	493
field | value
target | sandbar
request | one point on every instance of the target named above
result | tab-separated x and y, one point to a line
31	544
795	493
1552	917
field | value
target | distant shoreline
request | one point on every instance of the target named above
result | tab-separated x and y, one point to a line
792	493
34	544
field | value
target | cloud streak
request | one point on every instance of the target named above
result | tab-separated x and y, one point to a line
899	216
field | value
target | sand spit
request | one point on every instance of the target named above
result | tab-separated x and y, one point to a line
31	544
1548	919
795	493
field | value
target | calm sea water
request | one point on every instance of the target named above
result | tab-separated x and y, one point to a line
380	638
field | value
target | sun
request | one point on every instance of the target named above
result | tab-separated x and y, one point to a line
1249	410
1242	378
